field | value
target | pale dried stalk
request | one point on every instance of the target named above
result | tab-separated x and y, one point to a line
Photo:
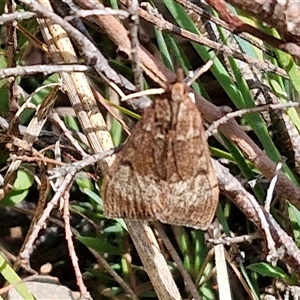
79	91
153	260
221	266
15	16
44	69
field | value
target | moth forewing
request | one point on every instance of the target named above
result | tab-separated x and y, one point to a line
164	170
130	179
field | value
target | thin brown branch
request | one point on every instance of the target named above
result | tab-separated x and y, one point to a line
241	112
68	235
186	276
28	247
114	274
43	194
135	44
11	48
32	132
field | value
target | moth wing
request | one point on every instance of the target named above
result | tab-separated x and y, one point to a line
191	194
191	203
131	187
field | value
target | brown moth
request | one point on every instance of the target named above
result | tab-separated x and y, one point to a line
164	171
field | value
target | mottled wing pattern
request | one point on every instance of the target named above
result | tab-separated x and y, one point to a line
132	188
164	171
191	194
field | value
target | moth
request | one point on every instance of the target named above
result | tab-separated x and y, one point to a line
164	170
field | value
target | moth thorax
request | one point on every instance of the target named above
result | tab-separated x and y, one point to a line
178	92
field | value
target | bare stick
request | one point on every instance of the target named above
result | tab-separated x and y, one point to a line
28	248
231	115
16	16
83	13
186	276
11	83
114	274
135	44
200	71
227	240
148	92
44	69
54	117
68	234
73	168
221	266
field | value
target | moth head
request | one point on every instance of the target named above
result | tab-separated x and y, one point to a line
178	92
